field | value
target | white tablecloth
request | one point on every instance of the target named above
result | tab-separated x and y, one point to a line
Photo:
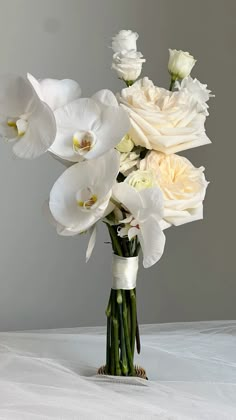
52	374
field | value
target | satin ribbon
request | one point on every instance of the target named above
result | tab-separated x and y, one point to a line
124	272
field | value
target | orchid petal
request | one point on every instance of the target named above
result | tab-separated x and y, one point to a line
91	243
106	125
56	93
105	97
152	241
61	230
17	96
128	196
132	233
152	202
100	177
82	114
39	135
112	127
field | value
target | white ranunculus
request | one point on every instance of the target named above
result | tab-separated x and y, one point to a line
125	40
143	220
180	64
197	90
162	120
142	179
81	195
24	118
89	127
128	64
56	93
183	186
129	161
125	145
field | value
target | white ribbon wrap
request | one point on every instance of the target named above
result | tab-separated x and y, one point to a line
124	272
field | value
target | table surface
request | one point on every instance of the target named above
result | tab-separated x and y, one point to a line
51	374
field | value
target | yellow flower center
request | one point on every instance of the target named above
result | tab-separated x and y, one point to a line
19	125
83	142
88	203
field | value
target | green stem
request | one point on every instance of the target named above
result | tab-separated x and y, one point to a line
116	346
115	242
112	361
127	338
172	82
108	347
108	350
124	363
129	82
133	320
138	343
137	249
125	247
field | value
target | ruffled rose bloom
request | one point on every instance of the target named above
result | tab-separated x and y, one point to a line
162	120
198	92
183	187
142	179
128	64
180	64
129	161
125	40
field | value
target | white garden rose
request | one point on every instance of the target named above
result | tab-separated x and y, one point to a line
162	120
142	179
183	186
180	64
129	161
125	40
198	92
128	64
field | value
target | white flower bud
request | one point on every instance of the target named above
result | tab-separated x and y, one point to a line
128	64
125	40
180	64
126	144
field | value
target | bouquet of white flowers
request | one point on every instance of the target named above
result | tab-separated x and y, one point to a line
122	167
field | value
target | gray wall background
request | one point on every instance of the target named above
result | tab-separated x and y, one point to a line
44	280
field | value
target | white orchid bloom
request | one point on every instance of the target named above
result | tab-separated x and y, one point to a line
89	127
56	93
146	212
63	231
24	118
81	195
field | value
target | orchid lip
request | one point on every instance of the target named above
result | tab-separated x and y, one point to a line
83	142
20	125
86	199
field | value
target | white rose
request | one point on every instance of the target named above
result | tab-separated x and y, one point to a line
162	120
128	64
142	179
125	40
126	144
180	64
198	92
128	161
183	186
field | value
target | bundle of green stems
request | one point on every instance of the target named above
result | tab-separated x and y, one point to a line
121	312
